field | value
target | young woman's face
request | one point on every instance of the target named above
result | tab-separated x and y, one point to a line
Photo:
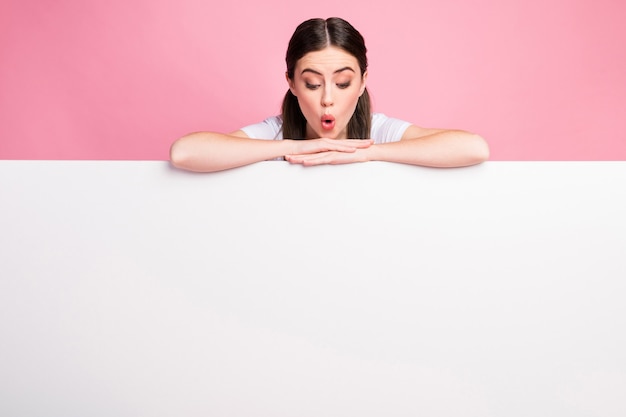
328	84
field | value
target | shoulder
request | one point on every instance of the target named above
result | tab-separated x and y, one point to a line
270	129
387	129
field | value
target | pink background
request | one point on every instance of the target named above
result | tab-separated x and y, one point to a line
540	80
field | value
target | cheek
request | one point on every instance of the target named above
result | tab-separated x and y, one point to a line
306	103
351	98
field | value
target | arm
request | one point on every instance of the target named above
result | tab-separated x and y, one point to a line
418	146
209	151
434	148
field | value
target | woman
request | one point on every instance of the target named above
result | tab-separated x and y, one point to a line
326	117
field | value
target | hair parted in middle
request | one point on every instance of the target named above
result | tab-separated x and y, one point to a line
314	35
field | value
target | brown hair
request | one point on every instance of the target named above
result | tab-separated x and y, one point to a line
315	35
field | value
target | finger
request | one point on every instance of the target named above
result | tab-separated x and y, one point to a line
327	158
301	159
357	143
322	158
347	145
326	147
294	159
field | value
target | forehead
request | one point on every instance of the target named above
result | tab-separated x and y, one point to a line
327	60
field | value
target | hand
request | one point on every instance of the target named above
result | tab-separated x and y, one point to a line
313	146
329	151
329	158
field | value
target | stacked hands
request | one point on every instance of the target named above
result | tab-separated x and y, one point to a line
326	103
210	151
329	151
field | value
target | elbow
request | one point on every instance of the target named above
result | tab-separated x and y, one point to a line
478	151
180	157
177	157
192	153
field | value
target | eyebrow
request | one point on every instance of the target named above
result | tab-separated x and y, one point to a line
319	73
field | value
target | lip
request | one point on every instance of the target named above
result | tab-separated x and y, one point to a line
328	122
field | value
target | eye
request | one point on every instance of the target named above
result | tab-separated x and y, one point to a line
312	86
343	86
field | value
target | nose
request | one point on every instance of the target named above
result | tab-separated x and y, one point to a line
327	97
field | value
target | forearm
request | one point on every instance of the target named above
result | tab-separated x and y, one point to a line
443	149
208	152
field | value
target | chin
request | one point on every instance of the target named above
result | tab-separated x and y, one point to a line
334	134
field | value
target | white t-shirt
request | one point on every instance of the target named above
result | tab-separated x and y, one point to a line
384	129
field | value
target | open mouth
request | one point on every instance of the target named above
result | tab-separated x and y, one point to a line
328	122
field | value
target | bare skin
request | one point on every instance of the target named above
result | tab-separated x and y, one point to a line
328	83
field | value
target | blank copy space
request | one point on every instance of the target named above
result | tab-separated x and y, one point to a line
131	288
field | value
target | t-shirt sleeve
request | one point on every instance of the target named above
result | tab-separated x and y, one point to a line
268	129
387	129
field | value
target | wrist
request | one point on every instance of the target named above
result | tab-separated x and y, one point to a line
289	147
370	153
